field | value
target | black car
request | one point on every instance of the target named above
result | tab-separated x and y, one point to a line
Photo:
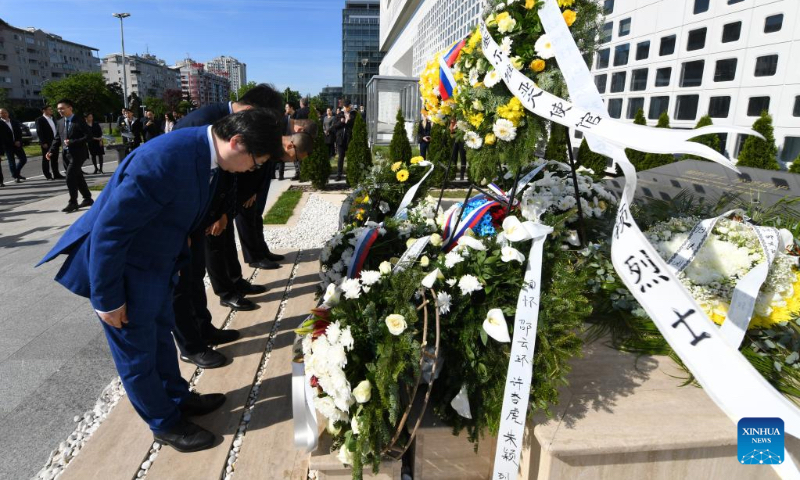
27	138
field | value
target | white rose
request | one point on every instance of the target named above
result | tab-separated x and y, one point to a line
410	242
506	24
396	323
363	392
345	456
436	240
355	425
385	268
424	261
333	429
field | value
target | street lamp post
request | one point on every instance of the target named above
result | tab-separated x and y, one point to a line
364	62
124	63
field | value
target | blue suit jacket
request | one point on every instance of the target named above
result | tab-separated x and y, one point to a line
140	221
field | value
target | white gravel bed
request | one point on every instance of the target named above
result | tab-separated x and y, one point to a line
318	223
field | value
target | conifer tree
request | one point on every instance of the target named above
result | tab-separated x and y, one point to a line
359	157
439	152
589	159
795	167
557	144
399	148
317	167
653	160
710	140
759	153
636	157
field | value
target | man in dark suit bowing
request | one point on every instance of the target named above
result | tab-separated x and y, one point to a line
46	131
214	246
125	252
74	135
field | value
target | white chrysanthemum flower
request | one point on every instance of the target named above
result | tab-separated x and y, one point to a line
452	259
492	78
473	140
506	25
505	45
451	282
333	331
346	339
469	284
544	47
444	299
505	130
351	288
338	266
370	277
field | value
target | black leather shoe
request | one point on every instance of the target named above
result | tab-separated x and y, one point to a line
338	178
218	337
265	265
238	302
71	207
87	202
274	257
197	405
186	436
206	359
295	178
18	180
249	289
21	178
59	177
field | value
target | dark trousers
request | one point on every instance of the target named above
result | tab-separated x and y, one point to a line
423	150
75	180
97	161
192	318
144	352
16	168
222	263
250	225
459	150
281	167
342	151
50	165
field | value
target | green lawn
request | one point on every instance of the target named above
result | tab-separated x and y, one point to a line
33	150
98	188
283	209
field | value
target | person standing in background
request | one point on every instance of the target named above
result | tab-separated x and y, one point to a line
46	130
424	135
169	122
344	130
11	139
458	149
151	127
73	134
327	127
96	149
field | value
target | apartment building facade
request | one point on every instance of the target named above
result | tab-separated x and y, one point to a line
147	75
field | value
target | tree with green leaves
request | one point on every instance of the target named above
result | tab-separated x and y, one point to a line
157	106
557	144
88	91
711	140
654	160
636	157
359	156
758	153
439	152
237	94
318	104
795	167
184	107
399	147
317	166
291	96
589	159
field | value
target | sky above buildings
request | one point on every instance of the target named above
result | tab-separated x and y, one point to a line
291	43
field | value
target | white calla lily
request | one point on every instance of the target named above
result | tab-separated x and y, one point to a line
515	230
495	325
471	242
510	254
430	279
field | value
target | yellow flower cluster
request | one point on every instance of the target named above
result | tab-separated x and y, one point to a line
476	119
529	4
565	3
779	314
472	43
416	160
513	111
396	166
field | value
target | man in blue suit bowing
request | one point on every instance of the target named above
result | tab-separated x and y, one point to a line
125	252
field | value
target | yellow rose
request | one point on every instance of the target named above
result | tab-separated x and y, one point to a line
517	62
538	65
569	17
529	4
416	160
396	166
490	139
402	175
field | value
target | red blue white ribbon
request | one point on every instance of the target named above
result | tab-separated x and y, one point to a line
365	241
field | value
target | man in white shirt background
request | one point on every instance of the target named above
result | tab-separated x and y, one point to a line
11	139
46	130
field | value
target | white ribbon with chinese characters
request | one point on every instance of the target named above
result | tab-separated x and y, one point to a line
304	415
726	376
745	294
520	366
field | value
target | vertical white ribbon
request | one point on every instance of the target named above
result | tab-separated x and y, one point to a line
303	412
402	210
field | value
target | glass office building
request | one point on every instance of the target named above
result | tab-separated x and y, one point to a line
361	56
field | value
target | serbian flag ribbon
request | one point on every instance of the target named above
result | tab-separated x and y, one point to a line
363	245
472	219
447	83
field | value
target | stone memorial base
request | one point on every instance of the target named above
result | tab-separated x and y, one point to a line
329	467
621	417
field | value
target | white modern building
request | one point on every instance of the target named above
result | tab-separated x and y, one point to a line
412	31
728	58
236	70
147	75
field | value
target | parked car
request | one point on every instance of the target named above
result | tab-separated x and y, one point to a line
29	133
